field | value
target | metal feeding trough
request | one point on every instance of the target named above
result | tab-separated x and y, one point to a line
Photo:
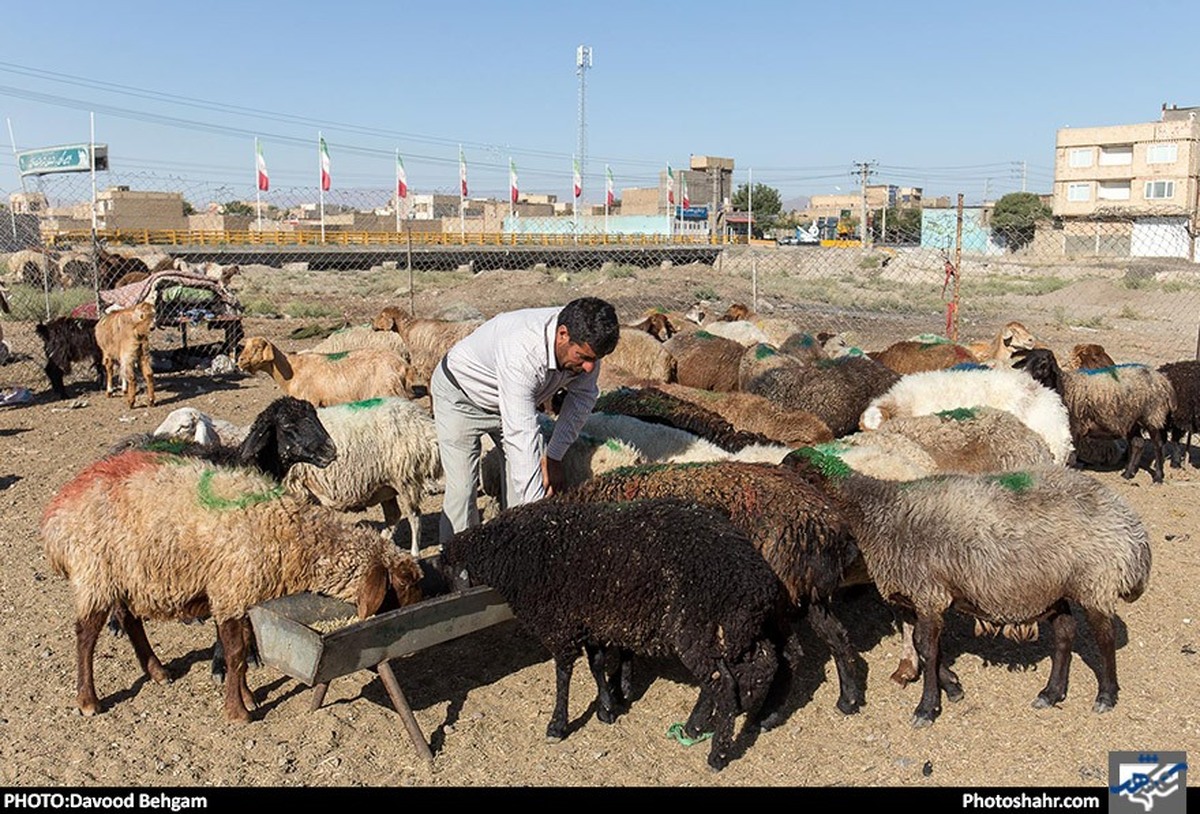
289	639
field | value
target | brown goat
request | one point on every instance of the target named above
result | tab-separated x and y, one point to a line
123	337
1089	356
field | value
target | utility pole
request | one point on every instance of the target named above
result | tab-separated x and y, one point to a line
865	171
583	61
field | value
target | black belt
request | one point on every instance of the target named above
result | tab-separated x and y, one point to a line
450	376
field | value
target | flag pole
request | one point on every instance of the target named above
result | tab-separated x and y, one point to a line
462	196
321	181
607	177
257	188
397	185
574	202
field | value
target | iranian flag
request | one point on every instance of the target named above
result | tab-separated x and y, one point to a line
609	197
683	193
670	186
462	172
264	183
325	178
578	178
512	180
401	178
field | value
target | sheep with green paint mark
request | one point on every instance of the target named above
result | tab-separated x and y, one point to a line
144	535
1010	549
329	378
387	454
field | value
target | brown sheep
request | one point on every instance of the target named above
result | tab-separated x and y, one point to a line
999	349
428	339
334	378
1089	356
123	337
705	360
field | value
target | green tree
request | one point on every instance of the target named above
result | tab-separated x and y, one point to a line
767	204
188	209
237	208
1015	216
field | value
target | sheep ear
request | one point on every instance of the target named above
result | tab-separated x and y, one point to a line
373	590
256	439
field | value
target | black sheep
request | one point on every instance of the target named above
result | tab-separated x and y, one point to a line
794	526
659	407
66	340
647	577
1185	418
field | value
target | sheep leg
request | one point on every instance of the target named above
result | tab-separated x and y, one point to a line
564	665
110	365
908	668
87	630
217	665
1156	443
724	692
927	638
146	657
130	381
237	694
1106	645
607	706
1137	443
770	680
833	633
55	374
1062	623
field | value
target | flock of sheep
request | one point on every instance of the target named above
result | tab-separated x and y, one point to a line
756	470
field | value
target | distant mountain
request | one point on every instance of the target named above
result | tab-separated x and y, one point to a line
798	203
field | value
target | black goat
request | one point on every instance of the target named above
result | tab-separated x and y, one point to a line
67	340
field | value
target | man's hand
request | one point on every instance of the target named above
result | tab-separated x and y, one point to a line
554	477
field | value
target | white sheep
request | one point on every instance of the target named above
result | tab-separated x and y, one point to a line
142	536
387	454
190	424
361	336
326	379
935	391
1010	549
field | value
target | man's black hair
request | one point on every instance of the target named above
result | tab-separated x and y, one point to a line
591	321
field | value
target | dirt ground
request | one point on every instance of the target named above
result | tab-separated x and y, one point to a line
483	700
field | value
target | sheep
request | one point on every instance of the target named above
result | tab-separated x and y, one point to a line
149	536
387	453
966	440
935	391
687	584
123	336
660	407
742	331
743	325
1088	355
1185	418
428	339
749	412
361	336
111	267
1123	401
66	340
999	349
915	356
326	379
835	390
656	323
638	355
1010	549
705	360
190	424
791	524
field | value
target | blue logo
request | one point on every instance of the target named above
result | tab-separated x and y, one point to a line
1141	782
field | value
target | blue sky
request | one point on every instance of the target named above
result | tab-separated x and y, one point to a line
952	97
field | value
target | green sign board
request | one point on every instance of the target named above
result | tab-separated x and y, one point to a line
68	158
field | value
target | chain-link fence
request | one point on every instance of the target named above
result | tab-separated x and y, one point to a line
1129	284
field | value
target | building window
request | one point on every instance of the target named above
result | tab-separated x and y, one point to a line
1079	192
1159	190
1115	155
1080	157
1113	191
1162	153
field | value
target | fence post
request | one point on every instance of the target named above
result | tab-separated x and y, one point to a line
957	266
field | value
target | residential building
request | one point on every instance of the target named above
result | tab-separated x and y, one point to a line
1142	181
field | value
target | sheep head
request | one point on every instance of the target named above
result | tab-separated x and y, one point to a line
396	574
390	318
287	432
1041	365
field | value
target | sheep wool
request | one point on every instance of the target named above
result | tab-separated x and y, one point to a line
387	453
792	524
151	536
681	582
1009	548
